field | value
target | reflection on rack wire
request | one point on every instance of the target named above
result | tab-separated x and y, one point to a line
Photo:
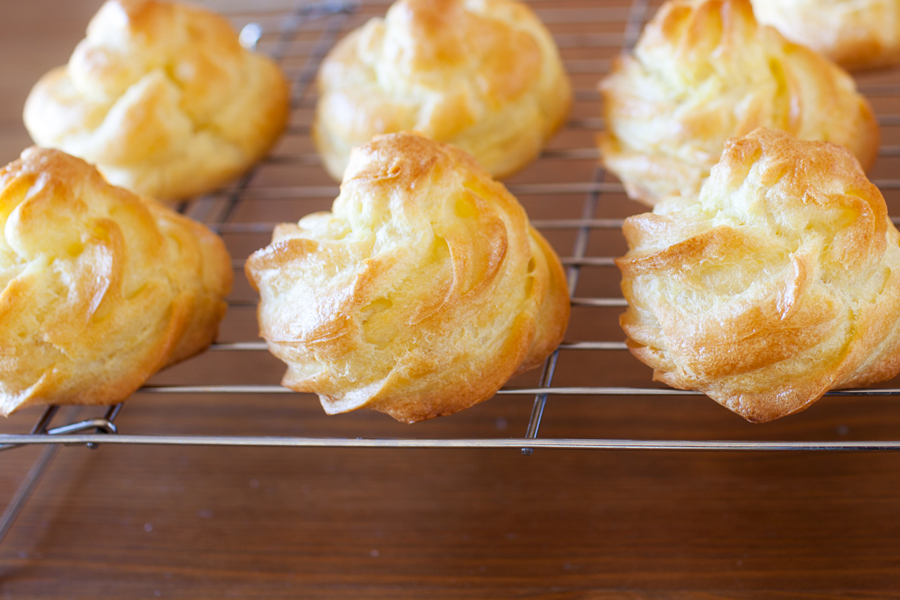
526	444
104	424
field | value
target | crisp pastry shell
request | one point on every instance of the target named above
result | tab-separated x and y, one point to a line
705	71
99	288
420	294
162	98
781	281
861	34
484	75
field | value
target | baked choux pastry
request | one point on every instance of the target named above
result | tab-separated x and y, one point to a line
856	34
484	75
781	281
420	294
704	71
162	98
100	287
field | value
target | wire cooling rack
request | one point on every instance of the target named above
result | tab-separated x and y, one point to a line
569	198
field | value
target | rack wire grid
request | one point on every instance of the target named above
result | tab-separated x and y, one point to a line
576	205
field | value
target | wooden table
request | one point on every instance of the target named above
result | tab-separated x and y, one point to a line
216	522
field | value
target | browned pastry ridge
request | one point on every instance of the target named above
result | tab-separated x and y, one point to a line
420	294
856	34
779	283
704	71
162	98
100	287
484	75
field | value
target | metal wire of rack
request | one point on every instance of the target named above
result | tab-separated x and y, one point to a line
299	37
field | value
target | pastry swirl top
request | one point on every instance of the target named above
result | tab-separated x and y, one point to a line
484	75
100	288
855	34
162	98
705	71
421	293
781	282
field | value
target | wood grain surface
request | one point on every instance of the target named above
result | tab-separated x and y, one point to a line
210	523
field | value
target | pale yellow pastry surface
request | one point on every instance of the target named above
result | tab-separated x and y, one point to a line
100	287
704	71
856	34
781	281
484	75
420	294
162	98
